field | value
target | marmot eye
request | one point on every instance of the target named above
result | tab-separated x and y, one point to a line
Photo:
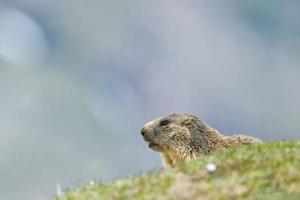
164	122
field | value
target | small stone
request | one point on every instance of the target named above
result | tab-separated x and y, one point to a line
211	167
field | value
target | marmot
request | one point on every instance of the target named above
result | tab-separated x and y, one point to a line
183	137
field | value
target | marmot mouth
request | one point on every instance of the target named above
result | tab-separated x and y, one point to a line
151	145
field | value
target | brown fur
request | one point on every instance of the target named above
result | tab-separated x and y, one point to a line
182	137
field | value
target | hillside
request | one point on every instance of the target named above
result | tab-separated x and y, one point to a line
267	171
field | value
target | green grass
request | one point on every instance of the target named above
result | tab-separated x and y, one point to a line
267	171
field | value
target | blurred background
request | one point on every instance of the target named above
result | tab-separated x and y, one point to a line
78	79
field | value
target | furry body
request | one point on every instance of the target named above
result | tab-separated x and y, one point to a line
182	137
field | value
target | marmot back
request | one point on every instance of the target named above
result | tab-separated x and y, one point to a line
183	137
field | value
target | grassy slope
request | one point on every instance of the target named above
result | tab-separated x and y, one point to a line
267	171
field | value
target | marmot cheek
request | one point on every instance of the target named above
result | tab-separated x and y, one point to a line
156	131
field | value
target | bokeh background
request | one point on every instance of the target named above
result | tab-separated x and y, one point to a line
78	79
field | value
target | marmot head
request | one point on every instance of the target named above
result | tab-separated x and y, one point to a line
172	132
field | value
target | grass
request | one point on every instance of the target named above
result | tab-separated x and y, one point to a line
267	171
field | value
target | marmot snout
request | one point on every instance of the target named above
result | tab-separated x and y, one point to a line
183	137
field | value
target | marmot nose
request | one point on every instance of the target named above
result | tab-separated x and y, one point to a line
143	131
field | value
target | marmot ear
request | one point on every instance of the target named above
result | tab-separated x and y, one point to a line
188	121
